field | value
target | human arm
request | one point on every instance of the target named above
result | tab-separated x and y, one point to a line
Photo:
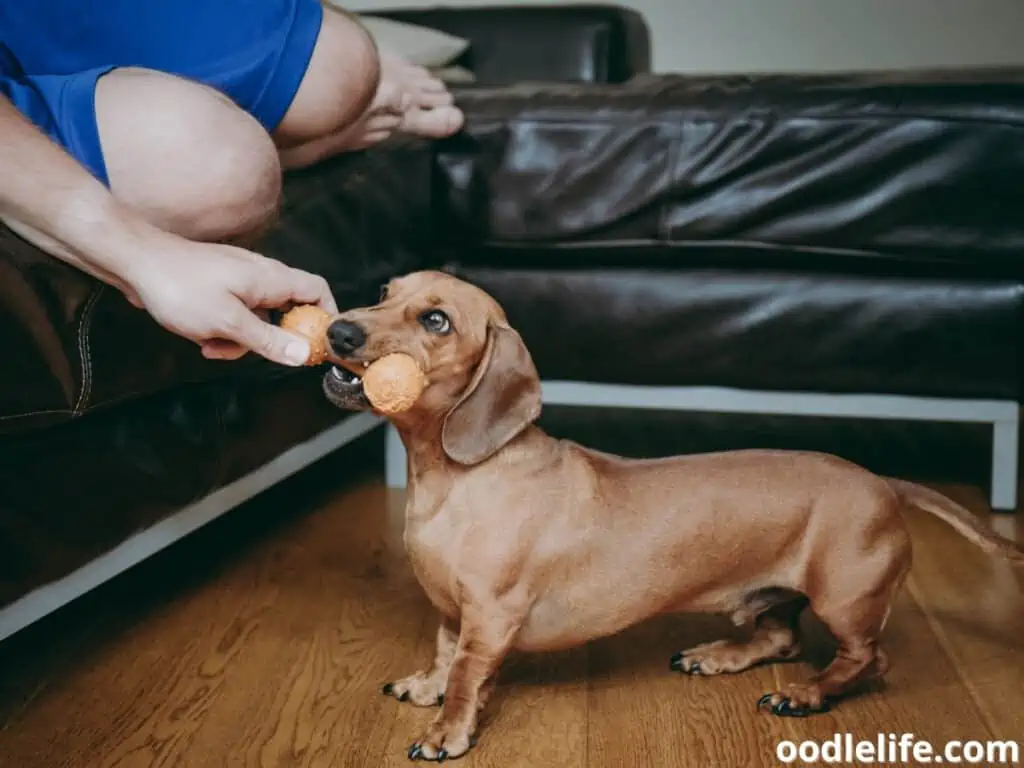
201	291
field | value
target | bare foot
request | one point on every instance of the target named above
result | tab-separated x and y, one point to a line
409	100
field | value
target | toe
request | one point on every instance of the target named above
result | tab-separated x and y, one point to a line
434	99
784	706
679	663
433	123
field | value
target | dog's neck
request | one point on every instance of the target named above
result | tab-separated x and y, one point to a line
428	460
422	440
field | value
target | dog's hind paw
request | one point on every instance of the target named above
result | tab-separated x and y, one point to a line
799	702
680	662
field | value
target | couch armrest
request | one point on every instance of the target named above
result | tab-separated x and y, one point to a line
567	43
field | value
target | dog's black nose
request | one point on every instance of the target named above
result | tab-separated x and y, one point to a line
345	337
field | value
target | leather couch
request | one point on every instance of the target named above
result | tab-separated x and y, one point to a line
778	235
820	245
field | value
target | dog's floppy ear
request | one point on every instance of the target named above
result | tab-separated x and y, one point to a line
502	399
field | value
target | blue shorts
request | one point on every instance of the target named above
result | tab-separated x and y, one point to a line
52	52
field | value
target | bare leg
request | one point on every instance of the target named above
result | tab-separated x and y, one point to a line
340	83
776	636
183	157
189	161
426	689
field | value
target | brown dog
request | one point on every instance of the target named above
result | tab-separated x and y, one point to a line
525	542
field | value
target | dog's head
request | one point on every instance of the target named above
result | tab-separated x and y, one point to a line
482	387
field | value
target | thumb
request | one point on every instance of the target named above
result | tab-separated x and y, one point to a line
269	341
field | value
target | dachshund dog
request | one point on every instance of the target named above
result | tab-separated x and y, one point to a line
528	543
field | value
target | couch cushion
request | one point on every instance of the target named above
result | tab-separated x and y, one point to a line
881	170
759	329
579	42
77	345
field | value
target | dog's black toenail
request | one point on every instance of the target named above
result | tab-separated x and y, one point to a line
766	699
442	755
415	752
676	662
694	669
388	689
785	708
404	696
440	699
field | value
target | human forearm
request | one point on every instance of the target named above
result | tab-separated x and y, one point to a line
48	197
204	292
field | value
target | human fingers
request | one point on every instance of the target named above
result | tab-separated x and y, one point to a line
246	329
275	285
222	349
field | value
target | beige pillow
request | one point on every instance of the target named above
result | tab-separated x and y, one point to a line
454	75
424	46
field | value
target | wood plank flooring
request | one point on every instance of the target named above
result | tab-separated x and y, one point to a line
263	641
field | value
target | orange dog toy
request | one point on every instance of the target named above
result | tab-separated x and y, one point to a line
394	383
310	322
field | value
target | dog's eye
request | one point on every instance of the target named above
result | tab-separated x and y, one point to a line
436	321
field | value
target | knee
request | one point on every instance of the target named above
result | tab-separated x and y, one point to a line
243	189
340	81
186	157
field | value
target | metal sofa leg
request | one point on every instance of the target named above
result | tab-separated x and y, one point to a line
1005	446
395	466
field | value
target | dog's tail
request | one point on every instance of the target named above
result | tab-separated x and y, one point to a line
958	517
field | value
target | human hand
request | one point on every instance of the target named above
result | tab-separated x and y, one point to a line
217	296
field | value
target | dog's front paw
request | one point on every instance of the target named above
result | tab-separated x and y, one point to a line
418	689
443	742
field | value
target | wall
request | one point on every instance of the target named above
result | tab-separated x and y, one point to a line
817	35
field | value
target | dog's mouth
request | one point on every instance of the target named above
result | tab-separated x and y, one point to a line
344	387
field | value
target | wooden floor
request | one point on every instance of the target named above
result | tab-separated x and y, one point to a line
263	641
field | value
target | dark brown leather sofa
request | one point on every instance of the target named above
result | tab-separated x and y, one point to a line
774	244
823	246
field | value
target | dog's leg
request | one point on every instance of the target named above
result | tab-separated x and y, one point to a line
776	636
426	689
481	648
856	623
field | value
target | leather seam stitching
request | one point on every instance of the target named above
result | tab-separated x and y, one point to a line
51	412
84	326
